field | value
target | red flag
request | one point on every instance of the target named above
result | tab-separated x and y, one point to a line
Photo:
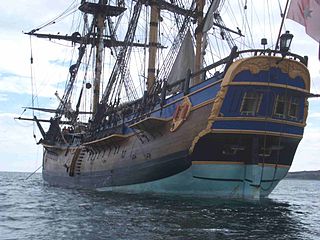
307	13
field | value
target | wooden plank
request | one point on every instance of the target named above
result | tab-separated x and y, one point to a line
150	124
110	140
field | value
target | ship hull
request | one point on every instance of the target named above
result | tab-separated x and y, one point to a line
207	172
236	138
233	183
145	171
226	180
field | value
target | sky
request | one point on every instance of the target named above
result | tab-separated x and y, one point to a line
18	148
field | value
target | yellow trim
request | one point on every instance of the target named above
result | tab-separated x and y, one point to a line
190	94
238	163
236	131
257	64
178	120
260	119
277	85
274	165
155	118
109	137
215	162
57	147
150	118
205	103
201	89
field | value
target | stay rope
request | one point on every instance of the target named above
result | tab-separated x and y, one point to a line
32	90
71	9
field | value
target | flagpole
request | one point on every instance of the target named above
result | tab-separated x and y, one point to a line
280	30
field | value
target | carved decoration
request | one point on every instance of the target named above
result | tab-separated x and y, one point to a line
263	63
181	114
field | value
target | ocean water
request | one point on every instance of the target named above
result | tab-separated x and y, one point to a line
30	209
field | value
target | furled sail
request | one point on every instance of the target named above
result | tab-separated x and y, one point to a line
208	21
184	61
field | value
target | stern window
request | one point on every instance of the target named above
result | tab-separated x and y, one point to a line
287	107
281	106
250	103
294	108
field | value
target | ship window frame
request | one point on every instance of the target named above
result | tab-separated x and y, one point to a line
288	104
294	103
250	103
283	100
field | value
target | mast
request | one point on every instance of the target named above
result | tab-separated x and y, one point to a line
99	52
100	11
199	36
153	39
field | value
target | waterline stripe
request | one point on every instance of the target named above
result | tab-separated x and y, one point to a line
214	162
234	180
239	163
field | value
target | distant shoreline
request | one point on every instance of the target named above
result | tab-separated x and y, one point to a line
304	175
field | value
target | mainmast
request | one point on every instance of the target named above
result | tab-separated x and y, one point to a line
199	36
153	42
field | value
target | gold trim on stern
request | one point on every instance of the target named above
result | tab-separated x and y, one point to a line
265	84
263	63
256	132
261	119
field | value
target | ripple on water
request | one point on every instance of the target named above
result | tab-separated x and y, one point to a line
33	210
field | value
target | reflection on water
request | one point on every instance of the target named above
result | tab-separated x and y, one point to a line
32	210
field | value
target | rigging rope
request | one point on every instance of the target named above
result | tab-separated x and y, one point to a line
120	70
167	65
71	9
32	92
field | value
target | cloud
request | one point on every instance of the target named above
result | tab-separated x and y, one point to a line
15	67
14	83
26	15
314	115
3	97
307	155
48	72
59	62
18	149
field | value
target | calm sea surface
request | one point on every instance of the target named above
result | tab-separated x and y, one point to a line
30	209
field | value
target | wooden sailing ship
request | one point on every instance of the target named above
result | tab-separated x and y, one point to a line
231	133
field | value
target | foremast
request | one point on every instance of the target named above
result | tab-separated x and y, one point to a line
100	18
100	11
